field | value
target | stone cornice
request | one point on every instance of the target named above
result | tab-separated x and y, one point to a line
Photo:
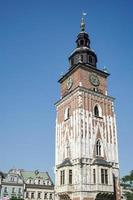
82	89
12	184
85	67
35	186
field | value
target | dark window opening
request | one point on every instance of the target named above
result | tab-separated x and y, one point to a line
45	196
62	177
67	113
70	176
104	176
27	194
5	190
13	190
32	195
95	89
96	111
94	176
19	190
82	42
72	61
81	58
90	59
98	148
39	195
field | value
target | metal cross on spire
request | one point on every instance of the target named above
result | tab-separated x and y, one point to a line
82	25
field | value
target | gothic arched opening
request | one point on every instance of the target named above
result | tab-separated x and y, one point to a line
98	148
96	111
105	196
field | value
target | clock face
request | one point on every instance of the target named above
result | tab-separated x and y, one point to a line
94	79
69	83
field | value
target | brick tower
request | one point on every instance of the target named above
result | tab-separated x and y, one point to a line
86	165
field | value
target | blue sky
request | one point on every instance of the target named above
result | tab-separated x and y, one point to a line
36	38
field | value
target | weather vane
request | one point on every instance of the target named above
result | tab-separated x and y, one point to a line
82	25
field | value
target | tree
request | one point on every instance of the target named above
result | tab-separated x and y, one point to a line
129	195
127	183
16	198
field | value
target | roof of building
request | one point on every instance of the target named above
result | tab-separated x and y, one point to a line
2	174
99	161
66	162
35	174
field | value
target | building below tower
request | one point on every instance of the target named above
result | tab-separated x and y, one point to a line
27	185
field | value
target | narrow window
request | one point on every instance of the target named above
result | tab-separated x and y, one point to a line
72	61
96	111
67	113
81	58
5	190
82	42
45	196
39	195
95	89
94	176
27	194
63	177
50	196
12	179
102	176
98	148
32	195
39	182
90	59
19	190
70	176
106	176
13	190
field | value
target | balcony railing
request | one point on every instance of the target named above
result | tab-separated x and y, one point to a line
65	188
90	187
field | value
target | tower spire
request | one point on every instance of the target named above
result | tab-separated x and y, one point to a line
82	24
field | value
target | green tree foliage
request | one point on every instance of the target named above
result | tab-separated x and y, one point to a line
127	183
129	195
16	198
128	178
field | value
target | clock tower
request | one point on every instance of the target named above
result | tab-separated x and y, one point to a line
86	164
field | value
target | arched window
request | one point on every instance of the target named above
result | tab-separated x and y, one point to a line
81	58
98	148
82	42
67	113
90	59
72	61
96	111
30	181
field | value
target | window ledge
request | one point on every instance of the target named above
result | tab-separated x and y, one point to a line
98	117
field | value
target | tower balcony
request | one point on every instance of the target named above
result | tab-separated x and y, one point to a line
103	188
64	189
